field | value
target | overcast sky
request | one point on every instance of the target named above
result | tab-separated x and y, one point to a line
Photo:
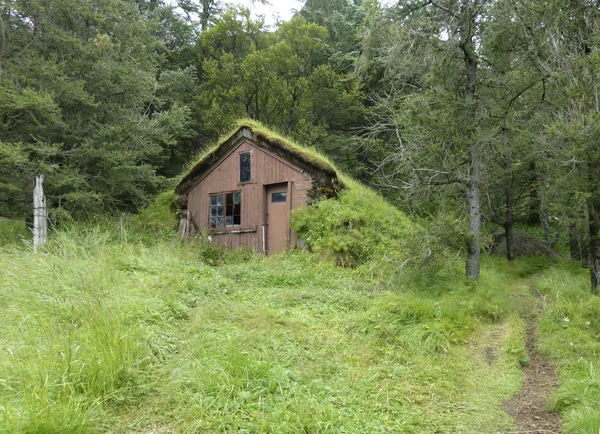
277	9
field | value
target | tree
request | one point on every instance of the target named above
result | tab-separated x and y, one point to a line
567	47
81	96
433	111
283	79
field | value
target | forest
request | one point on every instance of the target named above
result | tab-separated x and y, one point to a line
468	113
469	241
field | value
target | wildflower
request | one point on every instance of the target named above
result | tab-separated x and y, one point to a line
566	319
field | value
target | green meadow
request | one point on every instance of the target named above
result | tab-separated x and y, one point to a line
106	334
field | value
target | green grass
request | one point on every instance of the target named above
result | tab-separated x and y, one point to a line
14	232
106	335
569	333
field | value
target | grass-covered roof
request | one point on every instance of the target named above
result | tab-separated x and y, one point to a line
260	133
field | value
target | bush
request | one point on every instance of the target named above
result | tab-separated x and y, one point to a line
158	217
354	229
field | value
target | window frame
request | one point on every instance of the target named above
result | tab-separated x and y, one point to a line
249	153
282	195
225	214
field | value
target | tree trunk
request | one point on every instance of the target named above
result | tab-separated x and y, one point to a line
544	220
509	229
593	204
473	248
509	223
556	236
574	242
534	199
585	250
207	6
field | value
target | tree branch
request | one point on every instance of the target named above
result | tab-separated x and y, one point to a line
448	11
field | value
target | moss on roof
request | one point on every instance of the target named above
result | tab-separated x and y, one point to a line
306	154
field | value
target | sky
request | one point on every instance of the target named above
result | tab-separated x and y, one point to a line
276	9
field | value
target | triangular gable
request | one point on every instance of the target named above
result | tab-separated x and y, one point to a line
301	157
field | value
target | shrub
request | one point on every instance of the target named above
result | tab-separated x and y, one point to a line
158	217
354	229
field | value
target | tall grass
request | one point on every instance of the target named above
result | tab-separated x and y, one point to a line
82	329
569	334
106	333
13	232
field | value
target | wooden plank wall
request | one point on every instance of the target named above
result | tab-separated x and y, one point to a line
266	168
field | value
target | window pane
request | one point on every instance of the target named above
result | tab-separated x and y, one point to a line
229	204
225	209
245	174
278	197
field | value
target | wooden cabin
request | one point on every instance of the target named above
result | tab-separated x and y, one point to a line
242	191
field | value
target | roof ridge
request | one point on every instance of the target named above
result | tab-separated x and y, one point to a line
307	155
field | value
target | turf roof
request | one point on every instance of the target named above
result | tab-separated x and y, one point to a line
210	156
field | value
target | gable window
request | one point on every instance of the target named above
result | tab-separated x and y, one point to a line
245	171
226	210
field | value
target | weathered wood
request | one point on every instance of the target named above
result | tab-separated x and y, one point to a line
40	213
182	230
267	169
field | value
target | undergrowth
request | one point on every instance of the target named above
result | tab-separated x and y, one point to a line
362	230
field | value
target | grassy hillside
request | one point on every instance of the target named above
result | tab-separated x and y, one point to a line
106	335
138	332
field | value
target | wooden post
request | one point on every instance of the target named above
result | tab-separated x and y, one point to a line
183	225
40	214
122	225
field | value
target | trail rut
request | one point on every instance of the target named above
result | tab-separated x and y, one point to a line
529	408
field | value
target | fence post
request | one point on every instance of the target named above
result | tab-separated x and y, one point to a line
122	222
40	214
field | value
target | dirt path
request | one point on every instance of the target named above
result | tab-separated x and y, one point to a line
539	379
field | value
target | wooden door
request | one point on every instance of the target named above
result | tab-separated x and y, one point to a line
278	218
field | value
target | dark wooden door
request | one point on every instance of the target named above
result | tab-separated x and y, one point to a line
278	218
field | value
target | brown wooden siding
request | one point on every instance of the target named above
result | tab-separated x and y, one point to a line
224	177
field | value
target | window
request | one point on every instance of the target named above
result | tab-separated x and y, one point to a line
225	210
245	172
278	197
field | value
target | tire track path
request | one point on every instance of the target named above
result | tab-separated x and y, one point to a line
529	407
